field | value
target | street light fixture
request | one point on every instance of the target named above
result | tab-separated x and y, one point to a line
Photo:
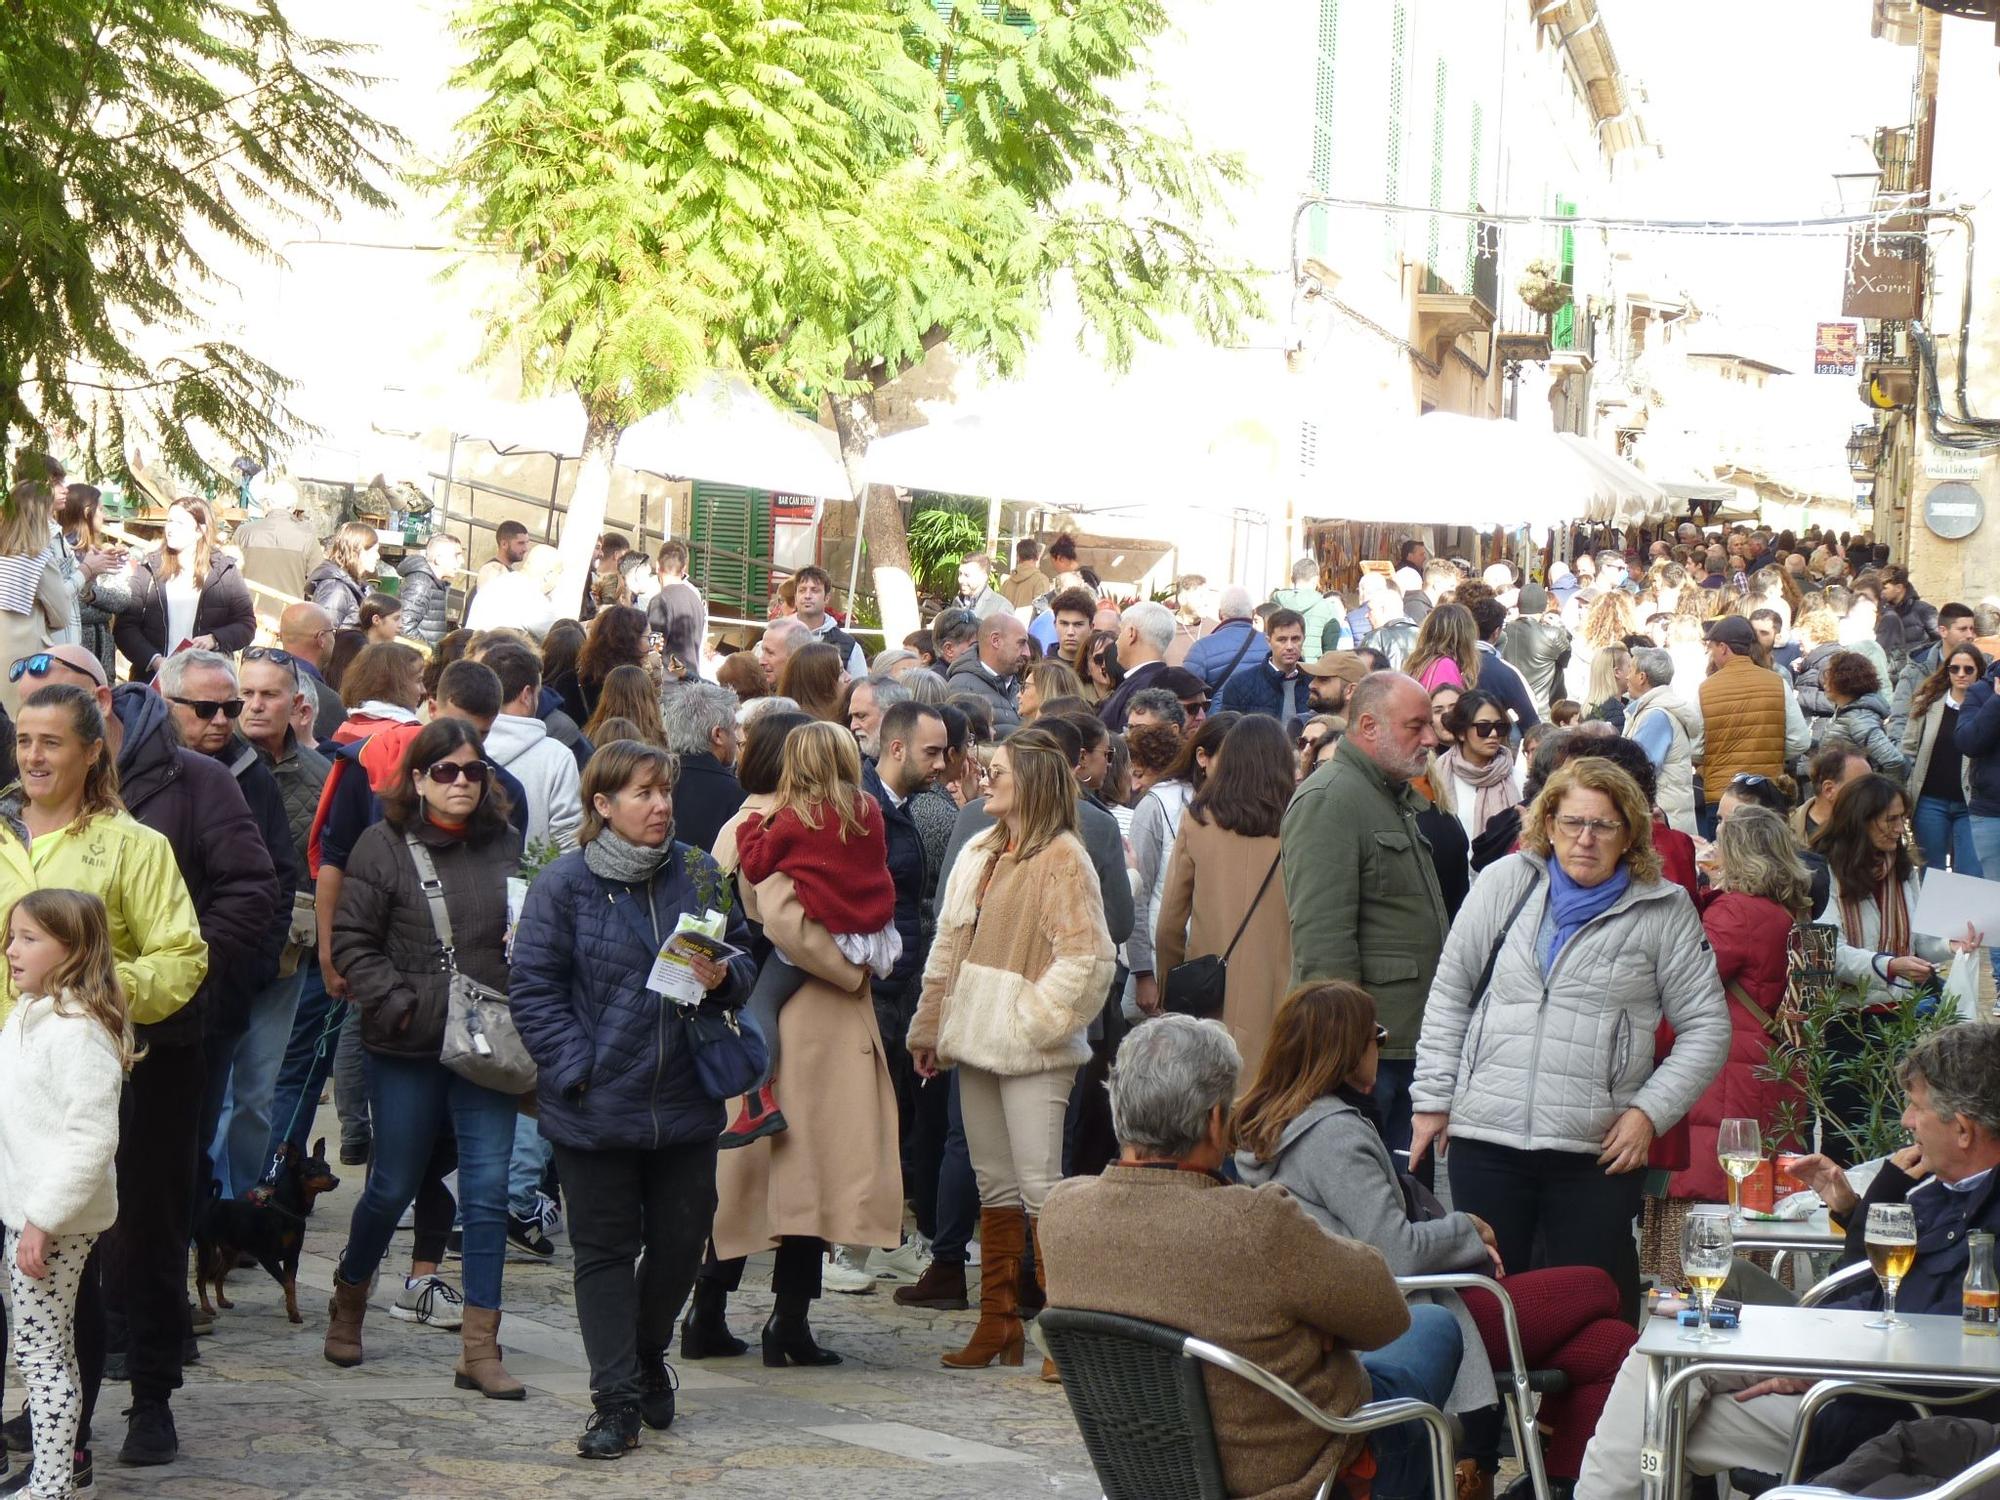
1864	450
1858	182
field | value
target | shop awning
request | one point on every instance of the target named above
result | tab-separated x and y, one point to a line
728	432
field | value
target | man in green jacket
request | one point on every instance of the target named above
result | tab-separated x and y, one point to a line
1363	893
1323	612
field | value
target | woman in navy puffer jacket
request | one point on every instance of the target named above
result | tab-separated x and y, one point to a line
633	1130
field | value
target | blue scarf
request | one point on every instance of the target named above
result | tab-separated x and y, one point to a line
1571	905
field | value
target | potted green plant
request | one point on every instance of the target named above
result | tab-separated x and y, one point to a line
1542	288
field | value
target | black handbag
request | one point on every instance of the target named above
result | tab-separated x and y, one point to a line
1196	987
728	1048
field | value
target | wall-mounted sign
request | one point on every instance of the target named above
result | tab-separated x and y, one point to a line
1836	349
1885	274
1953	463
1954	510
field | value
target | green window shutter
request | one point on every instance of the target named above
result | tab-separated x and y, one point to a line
1322	142
730	527
1472	236
1562	332
1434	234
1392	179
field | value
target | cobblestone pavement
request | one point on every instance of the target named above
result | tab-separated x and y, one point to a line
264	1416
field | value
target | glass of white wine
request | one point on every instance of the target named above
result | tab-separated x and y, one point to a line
1892	1250
1739	1145
1708	1247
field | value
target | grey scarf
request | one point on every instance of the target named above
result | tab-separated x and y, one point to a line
613	858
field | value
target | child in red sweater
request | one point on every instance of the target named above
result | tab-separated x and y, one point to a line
827	834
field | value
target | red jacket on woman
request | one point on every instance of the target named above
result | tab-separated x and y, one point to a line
1748	934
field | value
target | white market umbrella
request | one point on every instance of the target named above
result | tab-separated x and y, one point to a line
1445	469
727	432
1640	499
551	424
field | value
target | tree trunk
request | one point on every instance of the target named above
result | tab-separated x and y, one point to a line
882	530
585	521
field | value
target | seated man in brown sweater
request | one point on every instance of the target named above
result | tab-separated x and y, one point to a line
1161	1236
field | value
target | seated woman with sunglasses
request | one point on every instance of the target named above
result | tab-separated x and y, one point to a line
1308	1122
386	944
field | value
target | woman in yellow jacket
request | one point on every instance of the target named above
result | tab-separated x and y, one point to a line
63	827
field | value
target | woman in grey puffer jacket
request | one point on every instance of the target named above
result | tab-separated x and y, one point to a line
1543	1077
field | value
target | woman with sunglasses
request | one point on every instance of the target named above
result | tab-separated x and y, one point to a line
1536	1055
1308	1122
1097	665
386	943
185	592
1937	767
1478	777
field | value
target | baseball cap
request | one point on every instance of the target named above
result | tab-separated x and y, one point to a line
1733	630
1342	664
1182	683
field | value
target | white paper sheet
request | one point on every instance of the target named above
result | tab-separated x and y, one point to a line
1948	901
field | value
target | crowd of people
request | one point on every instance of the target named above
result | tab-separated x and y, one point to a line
865	958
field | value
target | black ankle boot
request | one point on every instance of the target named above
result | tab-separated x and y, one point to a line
705	1331
788	1337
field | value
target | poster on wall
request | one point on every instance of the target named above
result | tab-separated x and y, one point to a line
1836	349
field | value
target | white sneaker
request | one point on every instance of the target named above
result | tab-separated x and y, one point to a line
431	1301
846	1272
549	1214
907	1262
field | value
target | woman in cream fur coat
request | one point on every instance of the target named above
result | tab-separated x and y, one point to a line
1021	962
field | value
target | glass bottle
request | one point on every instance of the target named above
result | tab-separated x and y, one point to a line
1981	1298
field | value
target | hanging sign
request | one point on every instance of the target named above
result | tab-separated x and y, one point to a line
1836	349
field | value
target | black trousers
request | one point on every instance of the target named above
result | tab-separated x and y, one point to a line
145	1254
794	1269
925	1155
1579	1214
622	1203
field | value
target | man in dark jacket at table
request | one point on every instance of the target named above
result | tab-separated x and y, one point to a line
1952	1079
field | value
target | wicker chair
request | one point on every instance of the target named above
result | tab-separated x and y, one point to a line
1137	1391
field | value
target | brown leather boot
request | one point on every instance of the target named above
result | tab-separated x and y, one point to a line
1049	1371
940	1286
479	1368
999	1334
344	1312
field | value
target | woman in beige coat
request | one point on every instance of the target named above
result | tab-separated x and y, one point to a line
1021	962
834	1176
1224	868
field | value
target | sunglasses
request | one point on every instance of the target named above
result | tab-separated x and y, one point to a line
445	772
276	656
1750	780
205	709
1381	1036
1487	729
31	666
1962	669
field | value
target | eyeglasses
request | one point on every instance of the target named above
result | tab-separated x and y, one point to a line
275	656
445	772
1576	827
1487	728
205	709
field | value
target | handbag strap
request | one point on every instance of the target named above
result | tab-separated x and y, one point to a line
1493	953
1249	637
1244	925
1735	988
433	889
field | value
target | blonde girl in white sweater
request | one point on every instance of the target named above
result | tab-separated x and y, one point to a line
64	1052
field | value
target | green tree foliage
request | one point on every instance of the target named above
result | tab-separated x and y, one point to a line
137	142
822	191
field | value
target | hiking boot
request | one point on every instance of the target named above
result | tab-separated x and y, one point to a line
656	1389
609	1433
150	1439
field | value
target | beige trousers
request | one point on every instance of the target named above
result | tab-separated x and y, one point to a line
1014	1133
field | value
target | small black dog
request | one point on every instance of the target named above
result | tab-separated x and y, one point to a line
268	1224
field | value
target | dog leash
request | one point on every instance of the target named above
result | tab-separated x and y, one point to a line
336	1017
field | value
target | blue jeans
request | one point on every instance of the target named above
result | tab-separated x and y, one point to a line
307	1062
410	1100
1393	1077
958	1191
1948	829
243	1129
525	1166
1421	1365
1987	857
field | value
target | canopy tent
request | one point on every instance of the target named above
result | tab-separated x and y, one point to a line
1444	469
552	424
1640	500
728	432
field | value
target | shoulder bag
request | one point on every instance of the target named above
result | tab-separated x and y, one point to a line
1493	954
728	1048
480	1042
1197	987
